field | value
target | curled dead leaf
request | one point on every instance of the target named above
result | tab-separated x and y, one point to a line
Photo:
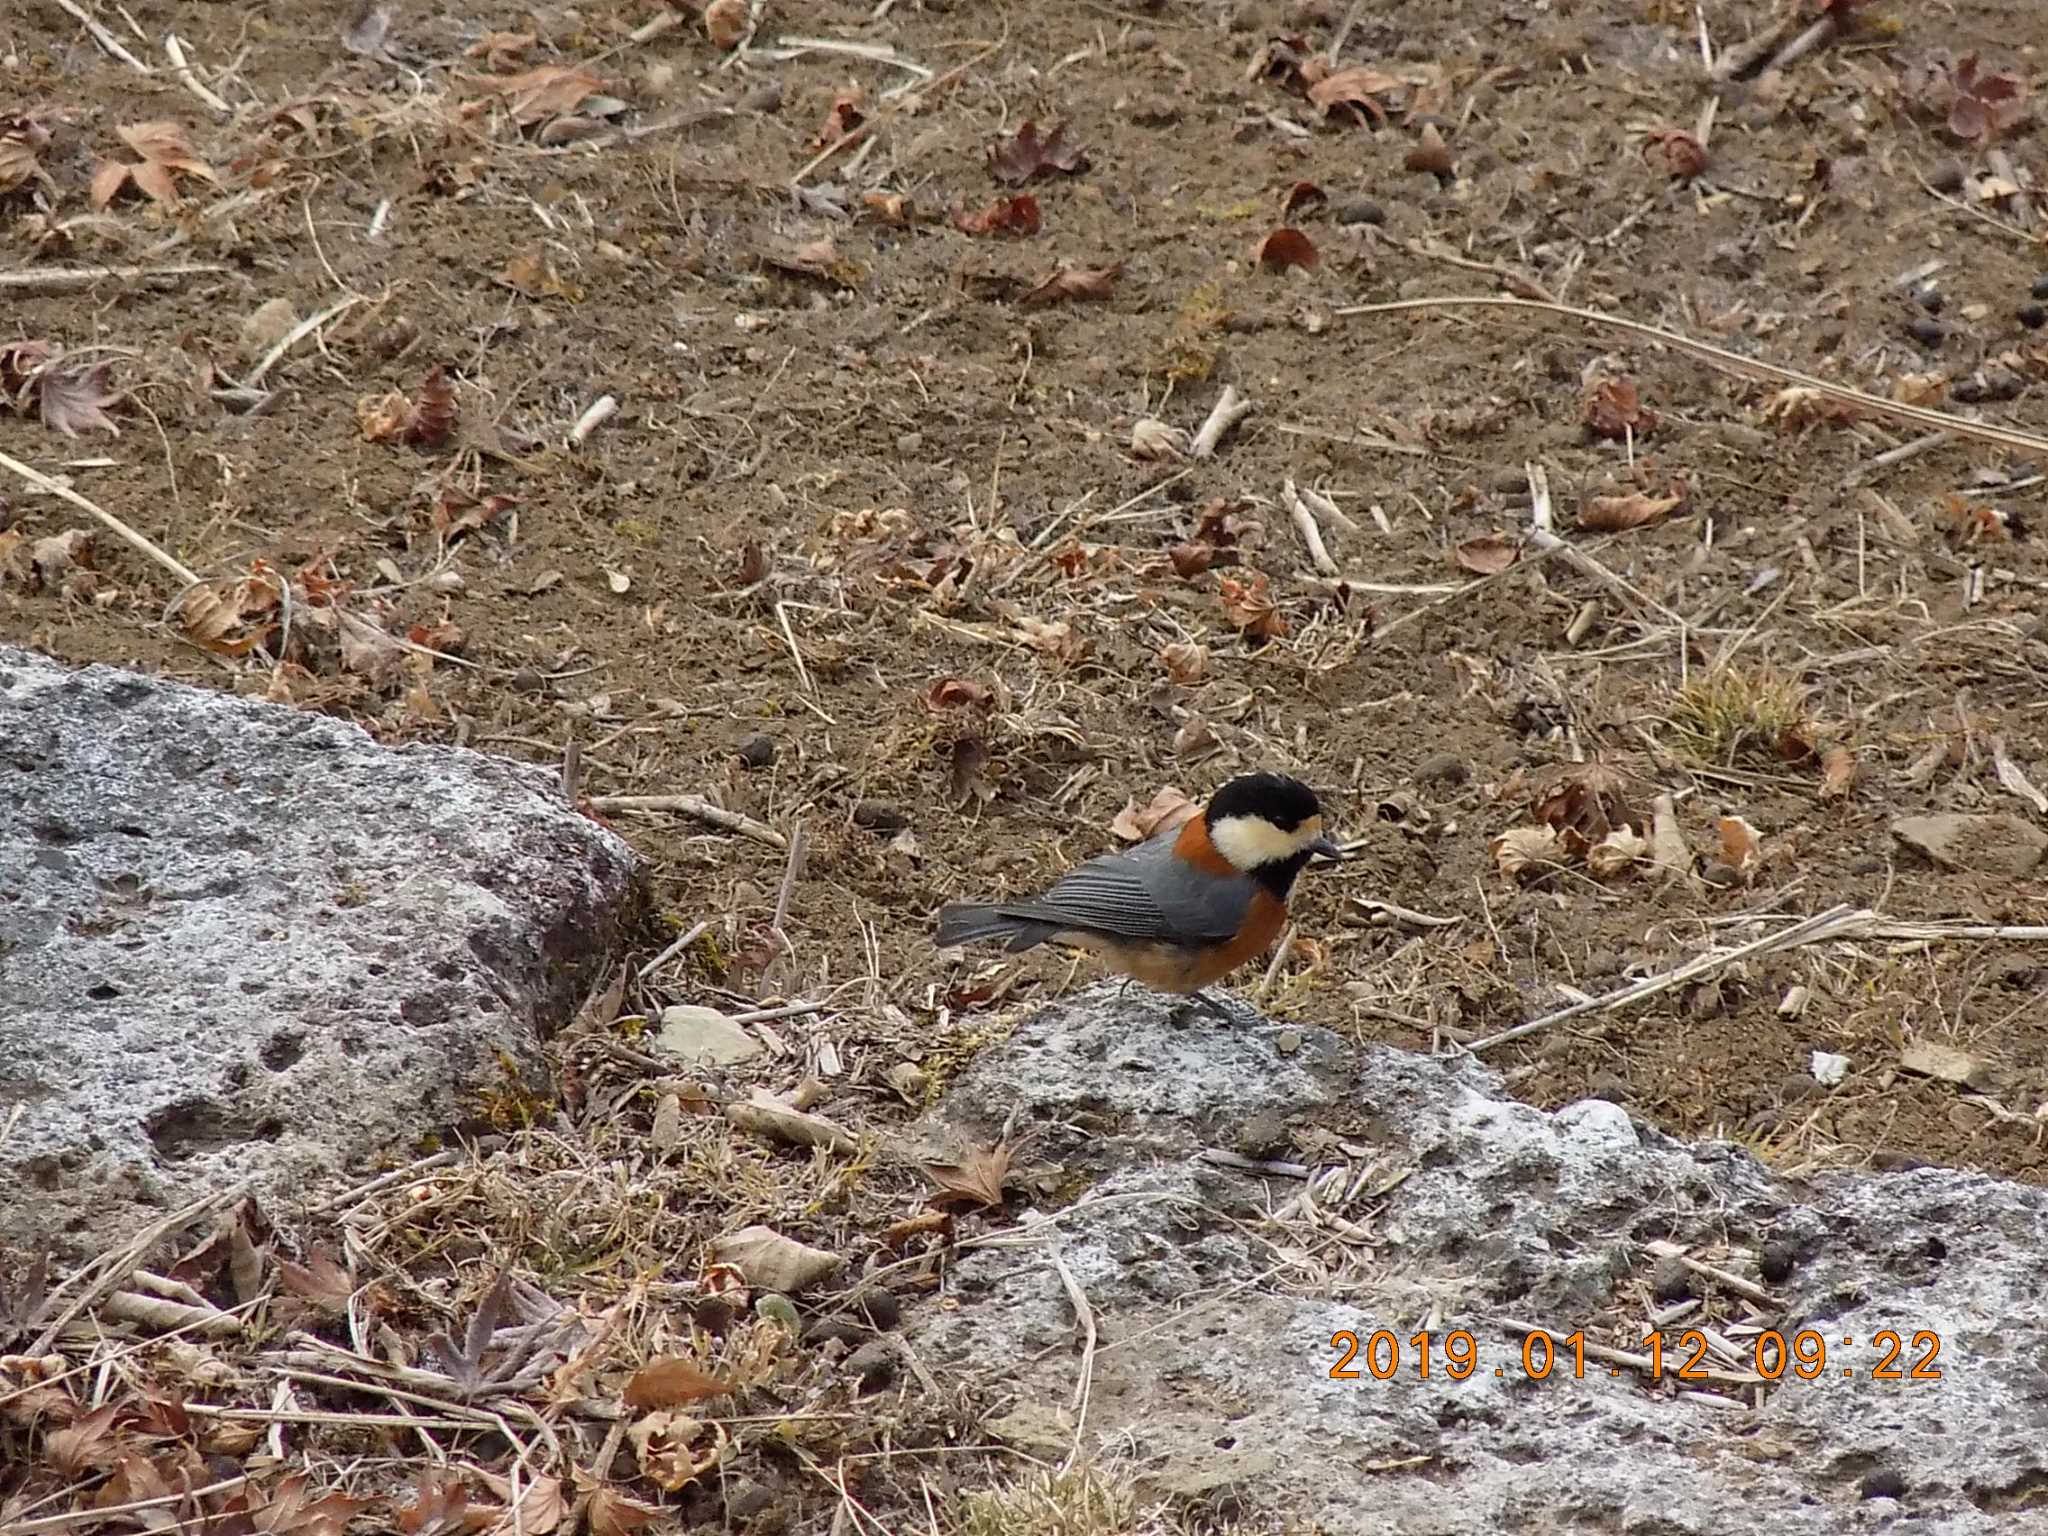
1016	216
1613	514
1185	661
1527	853
844	117
1250	607
1152	440
1614	409
1353	94
1683	155
1166	809
670	1381
889	207
772	1262
1431	155
1074	283
977	1179
674	1449
75	400
1026	154
1301	197
1616	853
1486	554
955	693
1837	772
1285	248
1740	844
725	23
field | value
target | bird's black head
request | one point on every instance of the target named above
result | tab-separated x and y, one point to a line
1267	824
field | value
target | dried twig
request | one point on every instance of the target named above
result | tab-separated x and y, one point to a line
103	37
1816	929
700	809
1305	524
1229	410
71	279
1084	1314
182	68
1733	362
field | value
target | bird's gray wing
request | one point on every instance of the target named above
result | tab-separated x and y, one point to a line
1144	895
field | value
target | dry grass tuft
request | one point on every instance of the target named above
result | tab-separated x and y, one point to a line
1733	712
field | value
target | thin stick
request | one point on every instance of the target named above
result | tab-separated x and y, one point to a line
1305	525
1326	506
698	808
294	336
66	1522
383	1181
117	1264
689	937
1809	931
1229	410
1806	42
2003	437
1085	1315
183	70
796	655
103	37
1527	287
71	279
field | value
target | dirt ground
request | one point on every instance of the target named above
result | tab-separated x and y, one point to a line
868	545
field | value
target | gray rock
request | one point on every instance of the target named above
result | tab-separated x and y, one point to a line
239	941
1216	1325
1989	845
700	1036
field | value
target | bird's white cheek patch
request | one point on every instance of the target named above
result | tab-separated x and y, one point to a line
1250	841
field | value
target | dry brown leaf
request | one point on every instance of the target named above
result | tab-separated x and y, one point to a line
1616	853
1613	514
1005	216
666	1444
1024	154
956	693
846	114
1527	853
1974	522
1583	804
1668	848
670	1381
773	1262
13	554
1075	283
1486	554
1185	661
1683	155
233	618
1301	196
319	1280
889	207
1166	810
1985	105
1613	409
612	1513
1355	91
1250	606
1153	440
168	145
74	400
501	50
541	1507
897	1233
440	1507
977	1179
766	1115
533	274
1431	156
725	23
20	139
1285	248
1740	843
1837	772
1800	406
545	91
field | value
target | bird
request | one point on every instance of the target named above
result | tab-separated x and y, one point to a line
1183	909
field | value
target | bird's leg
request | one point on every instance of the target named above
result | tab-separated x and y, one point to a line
1124	990
1213	1005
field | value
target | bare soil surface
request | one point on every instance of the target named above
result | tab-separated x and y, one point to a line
868	546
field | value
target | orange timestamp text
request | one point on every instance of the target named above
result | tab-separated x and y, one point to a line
1382	1355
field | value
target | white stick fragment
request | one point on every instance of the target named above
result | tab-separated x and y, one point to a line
183	69
2012	780
1229	410
602	409
1305	522
378	219
103	37
1325	507
71	279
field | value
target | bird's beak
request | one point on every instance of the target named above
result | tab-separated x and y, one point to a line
1327	847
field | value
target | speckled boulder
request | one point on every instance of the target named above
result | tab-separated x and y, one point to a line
243	941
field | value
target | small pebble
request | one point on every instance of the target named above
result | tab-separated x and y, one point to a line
879	816
2040	289
1289	1042
757	751
1361	212
1442	767
1928	332
1947	177
2033	316
874	1363
879	1307
1776	1261
1794	1086
836	1330
1929	298
1610	1086
1721	875
1671	1281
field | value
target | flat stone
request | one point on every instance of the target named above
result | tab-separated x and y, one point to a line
1217	1350
703	1037
1988	845
243	941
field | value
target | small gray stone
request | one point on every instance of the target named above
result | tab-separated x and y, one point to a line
1287	1042
1775	1260
1991	845
1671	1280
701	1036
1363	211
873	1364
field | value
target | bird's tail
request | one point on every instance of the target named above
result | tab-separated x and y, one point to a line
968	922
